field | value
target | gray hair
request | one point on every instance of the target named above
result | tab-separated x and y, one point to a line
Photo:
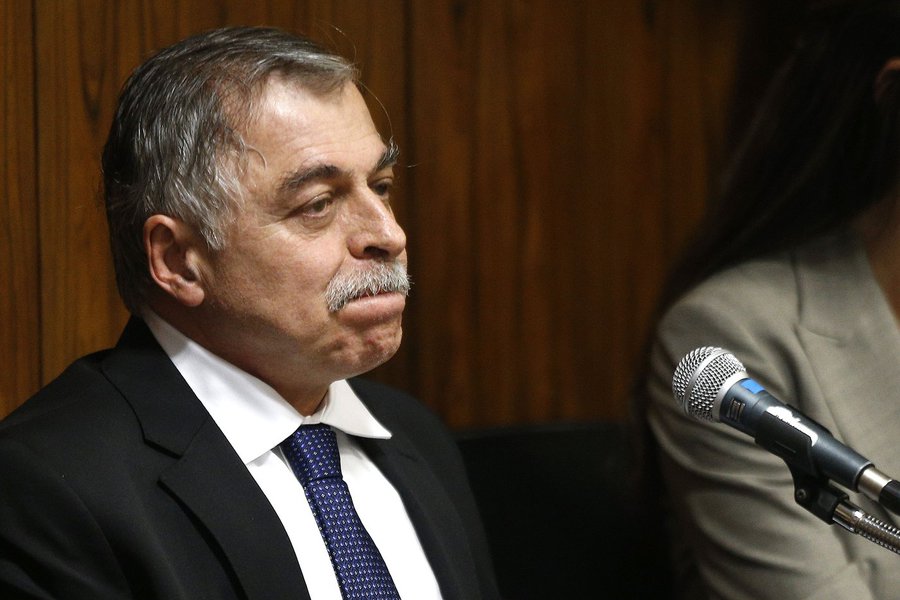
175	146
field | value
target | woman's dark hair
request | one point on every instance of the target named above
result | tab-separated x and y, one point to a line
824	145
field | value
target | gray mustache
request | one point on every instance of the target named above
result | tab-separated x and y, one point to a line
382	277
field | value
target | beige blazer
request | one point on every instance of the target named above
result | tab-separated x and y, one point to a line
814	328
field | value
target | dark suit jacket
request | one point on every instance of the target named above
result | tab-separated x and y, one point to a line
116	483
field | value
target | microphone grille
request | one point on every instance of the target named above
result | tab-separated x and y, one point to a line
699	378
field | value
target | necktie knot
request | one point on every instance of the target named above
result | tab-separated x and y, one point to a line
312	452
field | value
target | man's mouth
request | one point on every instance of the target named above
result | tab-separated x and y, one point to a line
378	279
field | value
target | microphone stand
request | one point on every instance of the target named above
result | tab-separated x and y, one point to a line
831	505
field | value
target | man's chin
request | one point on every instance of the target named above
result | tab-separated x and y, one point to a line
377	349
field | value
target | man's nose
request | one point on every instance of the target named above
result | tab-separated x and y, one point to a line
376	233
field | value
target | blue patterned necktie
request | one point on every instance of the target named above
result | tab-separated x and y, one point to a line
313	455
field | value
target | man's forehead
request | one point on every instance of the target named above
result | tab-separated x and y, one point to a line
284	99
311	126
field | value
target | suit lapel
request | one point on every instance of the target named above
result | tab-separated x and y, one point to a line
434	517
206	476
851	337
210	481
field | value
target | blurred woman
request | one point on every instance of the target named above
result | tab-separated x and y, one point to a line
796	270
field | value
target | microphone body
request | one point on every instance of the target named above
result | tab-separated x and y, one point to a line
711	384
789	434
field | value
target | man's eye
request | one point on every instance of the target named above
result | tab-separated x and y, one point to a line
317	207
383	187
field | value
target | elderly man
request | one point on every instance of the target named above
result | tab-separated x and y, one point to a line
219	450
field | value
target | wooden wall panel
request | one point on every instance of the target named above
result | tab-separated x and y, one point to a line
79	307
573	143
19	298
555	153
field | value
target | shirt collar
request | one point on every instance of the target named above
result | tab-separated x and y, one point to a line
251	414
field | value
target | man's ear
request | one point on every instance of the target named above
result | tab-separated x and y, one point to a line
889	72
174	252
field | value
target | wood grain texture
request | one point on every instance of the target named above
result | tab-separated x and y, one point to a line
554	156
573	143
19	269
76	80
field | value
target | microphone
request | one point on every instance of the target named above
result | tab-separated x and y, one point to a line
711	384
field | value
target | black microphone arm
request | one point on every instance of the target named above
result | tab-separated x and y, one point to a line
711	384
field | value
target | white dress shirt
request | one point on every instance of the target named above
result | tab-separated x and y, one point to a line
256	419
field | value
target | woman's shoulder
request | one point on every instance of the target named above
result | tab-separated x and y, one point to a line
769	291
763	289
751	309
756	308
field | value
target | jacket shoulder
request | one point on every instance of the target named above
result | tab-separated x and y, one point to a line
81	380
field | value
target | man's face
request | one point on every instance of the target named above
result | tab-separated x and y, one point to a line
316	209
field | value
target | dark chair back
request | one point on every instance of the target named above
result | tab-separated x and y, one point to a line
558	514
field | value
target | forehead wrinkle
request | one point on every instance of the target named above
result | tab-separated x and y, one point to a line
297	179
